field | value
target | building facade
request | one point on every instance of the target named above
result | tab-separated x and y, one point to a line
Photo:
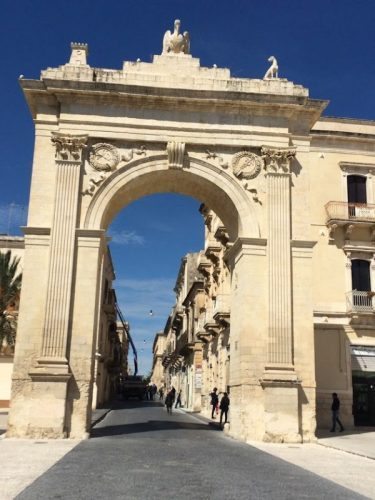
14	244
294	191
111	352
111	339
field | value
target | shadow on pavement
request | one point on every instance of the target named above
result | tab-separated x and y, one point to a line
150	426
120	404
325	433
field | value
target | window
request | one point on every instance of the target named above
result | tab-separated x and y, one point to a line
357	191
361	275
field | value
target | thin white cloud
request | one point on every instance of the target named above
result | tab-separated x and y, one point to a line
139	297
127	238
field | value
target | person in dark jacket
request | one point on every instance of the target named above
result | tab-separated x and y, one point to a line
169	401
335	408
214	401
224	407
178	400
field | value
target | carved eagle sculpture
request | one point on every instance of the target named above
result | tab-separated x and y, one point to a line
176	42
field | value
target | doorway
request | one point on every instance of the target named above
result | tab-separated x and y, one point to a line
364	398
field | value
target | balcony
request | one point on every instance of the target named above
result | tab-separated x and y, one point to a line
182	344
221	310
212	250
171	360
340	213
360	302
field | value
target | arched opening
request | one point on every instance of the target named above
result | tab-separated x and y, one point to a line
142	179
201	180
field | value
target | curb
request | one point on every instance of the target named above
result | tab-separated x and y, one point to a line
100	418
356	453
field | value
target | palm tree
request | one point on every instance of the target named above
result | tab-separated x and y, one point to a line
10	287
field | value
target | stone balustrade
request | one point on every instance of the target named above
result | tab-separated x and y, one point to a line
344	211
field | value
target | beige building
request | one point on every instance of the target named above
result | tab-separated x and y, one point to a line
112	341
111	353
293	191
16	245
158	351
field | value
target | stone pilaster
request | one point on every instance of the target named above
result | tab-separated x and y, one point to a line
61	261
280	341
279	382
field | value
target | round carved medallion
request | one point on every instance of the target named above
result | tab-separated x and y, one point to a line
246	165
104	157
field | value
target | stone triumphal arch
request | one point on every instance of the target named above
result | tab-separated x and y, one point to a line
104	138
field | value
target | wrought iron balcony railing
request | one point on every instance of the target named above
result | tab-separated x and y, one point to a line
360	302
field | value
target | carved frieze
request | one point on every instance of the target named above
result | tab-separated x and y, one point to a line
69	147
277	160
104	157
246	165
141	151
94	182
175	152
214	156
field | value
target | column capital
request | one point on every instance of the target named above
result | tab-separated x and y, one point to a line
69	147
277	160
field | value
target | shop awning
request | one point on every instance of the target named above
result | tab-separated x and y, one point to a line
363	358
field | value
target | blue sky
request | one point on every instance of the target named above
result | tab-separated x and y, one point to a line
326	45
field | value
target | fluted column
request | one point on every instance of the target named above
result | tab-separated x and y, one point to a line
280	337
59	288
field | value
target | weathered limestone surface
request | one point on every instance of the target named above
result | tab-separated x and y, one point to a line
258	153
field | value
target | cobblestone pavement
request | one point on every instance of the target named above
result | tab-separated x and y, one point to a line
139	452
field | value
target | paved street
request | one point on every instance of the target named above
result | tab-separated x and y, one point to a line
139	452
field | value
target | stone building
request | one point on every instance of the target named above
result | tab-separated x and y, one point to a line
111	353
16	245
158	351
112	342
294	191
200	321
183	365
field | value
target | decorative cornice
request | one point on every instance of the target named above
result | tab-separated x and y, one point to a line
255	246
303	243
29	230
352	167
69	147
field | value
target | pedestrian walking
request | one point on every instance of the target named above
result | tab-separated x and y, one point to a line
178	400
214	401
161	393
173	391
224	407
169	401
335	408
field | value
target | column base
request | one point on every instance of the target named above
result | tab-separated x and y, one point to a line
38	406
51	369
281	405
